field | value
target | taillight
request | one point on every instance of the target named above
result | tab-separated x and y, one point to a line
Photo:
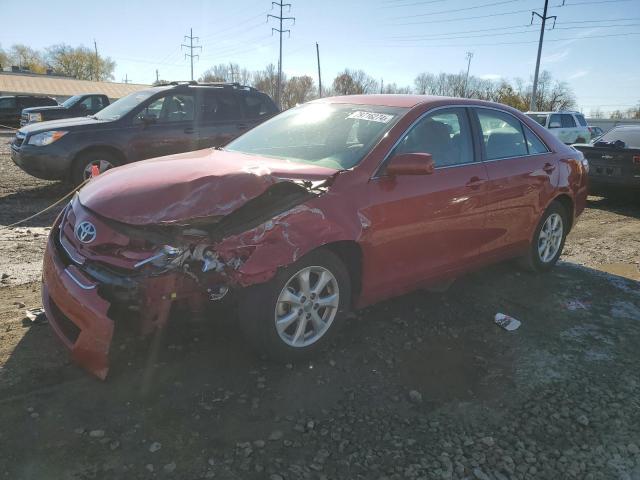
636	159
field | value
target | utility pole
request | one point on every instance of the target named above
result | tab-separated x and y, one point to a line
381	85
191	48
157	76
466	81
97	68
233	77
319	76
280	18
544	18
126	78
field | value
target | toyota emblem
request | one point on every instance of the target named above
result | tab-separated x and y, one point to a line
86	232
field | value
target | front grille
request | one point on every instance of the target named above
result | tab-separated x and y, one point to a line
17	141
68	328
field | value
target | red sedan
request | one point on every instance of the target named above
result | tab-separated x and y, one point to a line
332	205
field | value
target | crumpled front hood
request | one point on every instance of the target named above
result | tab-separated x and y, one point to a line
187	186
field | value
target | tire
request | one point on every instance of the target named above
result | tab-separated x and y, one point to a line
105	159
259	308
539	261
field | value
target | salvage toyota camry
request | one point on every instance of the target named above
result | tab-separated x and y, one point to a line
332	205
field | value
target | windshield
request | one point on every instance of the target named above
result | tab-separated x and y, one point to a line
541	119
331	135
71	101
123	106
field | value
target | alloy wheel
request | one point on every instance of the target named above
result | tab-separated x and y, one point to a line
550	238
103	166
306	306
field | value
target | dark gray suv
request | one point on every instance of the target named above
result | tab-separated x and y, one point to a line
174	118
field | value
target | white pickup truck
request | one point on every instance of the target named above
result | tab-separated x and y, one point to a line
568	126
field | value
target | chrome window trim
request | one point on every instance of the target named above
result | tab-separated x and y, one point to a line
377	173
78	282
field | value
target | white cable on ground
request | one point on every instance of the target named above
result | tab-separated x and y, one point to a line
46	209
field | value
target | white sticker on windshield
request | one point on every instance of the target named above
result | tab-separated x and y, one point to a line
371	116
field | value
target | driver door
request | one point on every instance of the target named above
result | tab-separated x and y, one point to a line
164	126
426	226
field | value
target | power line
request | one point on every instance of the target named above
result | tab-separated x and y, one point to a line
191	47
412	4
281	19
498	14
454	10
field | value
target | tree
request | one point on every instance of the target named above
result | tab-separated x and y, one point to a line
80	62
297	90
393	88
354	82
4	59
27	58
267	80
596	113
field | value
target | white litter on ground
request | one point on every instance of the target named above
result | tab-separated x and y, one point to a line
507	322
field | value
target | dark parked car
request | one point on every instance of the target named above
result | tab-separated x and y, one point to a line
158	121
329	206
11	107
76	106
614	161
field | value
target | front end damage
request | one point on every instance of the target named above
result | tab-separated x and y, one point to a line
99	271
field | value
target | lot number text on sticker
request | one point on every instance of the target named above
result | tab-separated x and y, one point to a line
371	116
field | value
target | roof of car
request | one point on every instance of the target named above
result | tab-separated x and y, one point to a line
549	113
397	100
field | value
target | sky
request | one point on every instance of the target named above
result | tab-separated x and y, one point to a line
595	45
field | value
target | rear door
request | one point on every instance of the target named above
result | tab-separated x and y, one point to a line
220	118
522	175
165	125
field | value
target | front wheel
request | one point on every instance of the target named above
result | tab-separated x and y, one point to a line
84	164
548	240
296	312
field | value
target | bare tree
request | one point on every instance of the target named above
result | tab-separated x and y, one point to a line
297	90
4	58
393	88
27	58
354	82
79	62
267	80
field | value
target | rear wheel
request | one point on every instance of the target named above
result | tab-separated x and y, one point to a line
84	164
548	240
296	312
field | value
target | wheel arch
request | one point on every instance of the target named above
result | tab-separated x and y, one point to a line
567	203
101	148
350	253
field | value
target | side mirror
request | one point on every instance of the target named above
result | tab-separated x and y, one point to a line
411	164
554	125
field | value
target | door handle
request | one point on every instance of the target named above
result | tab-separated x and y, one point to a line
189	130
475	183
548	168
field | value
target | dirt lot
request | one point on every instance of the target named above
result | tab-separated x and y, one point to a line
424	386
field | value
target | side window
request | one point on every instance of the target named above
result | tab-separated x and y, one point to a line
219	106
256	106
567	121
8	102
581	120
554	121
445	134
534	144
171	108
502	134
98	103
85	105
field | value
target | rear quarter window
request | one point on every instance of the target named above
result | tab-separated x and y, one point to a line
257	106
541	119
581	120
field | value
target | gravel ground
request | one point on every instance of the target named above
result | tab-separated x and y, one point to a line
425	386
